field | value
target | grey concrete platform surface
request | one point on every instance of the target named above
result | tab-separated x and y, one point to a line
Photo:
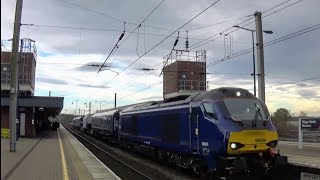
309	156
42	158
97	169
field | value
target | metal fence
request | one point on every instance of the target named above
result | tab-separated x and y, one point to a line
192	85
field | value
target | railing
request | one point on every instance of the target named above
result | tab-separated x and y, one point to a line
182	55
23	79
26	45
192	85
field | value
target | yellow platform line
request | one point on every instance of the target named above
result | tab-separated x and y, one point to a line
63	160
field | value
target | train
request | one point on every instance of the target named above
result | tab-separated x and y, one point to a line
218	132
77	122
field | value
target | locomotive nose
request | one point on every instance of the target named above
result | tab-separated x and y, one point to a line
251	141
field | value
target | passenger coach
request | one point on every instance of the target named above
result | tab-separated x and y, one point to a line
105	124
77	122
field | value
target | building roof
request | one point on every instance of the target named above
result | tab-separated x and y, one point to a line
54	103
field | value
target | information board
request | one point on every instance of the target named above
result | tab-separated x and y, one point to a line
307	124
310	123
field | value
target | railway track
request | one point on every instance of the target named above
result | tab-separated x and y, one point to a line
119	167
138	170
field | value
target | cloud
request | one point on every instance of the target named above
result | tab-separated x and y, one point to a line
302	85
92	86
282	89
52	81
93	67
308	93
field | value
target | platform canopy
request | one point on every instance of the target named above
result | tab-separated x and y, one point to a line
55	104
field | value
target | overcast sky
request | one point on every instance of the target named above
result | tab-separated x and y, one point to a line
72	34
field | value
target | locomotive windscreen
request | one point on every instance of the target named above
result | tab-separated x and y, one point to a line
245	109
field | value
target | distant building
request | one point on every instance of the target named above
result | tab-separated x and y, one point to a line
26	69
33	111
293	123
184	73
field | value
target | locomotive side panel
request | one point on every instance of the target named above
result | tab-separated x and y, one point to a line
170	128
163	129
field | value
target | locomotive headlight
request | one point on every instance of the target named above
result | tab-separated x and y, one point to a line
233	145
236	145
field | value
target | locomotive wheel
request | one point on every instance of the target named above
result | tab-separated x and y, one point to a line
160	157
204	173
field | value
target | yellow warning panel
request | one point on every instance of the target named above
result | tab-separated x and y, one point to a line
5	132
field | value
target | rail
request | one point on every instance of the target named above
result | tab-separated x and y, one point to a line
122	169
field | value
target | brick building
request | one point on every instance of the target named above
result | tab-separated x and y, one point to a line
184	73
33	111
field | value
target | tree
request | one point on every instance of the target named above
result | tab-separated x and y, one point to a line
280	119
283	114
303	114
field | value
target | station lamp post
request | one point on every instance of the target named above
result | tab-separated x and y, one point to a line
100	103
76	102
253	56
88	105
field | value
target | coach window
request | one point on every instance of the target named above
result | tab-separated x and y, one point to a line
208	110
103	122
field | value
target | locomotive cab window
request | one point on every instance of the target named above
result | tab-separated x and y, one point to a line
208	111
245	109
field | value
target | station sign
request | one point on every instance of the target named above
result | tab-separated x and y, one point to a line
309	176
310	123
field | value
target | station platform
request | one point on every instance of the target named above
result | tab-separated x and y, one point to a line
309	156
53	155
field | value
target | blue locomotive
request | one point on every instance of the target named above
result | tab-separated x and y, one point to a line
224	130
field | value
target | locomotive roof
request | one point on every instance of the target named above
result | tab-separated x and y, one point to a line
214	94
79	117
223	92
105	113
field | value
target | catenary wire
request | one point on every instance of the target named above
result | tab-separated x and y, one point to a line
164	40
109	16
111	30
221	22
114	50
246	51
272	42
209	39
203	41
